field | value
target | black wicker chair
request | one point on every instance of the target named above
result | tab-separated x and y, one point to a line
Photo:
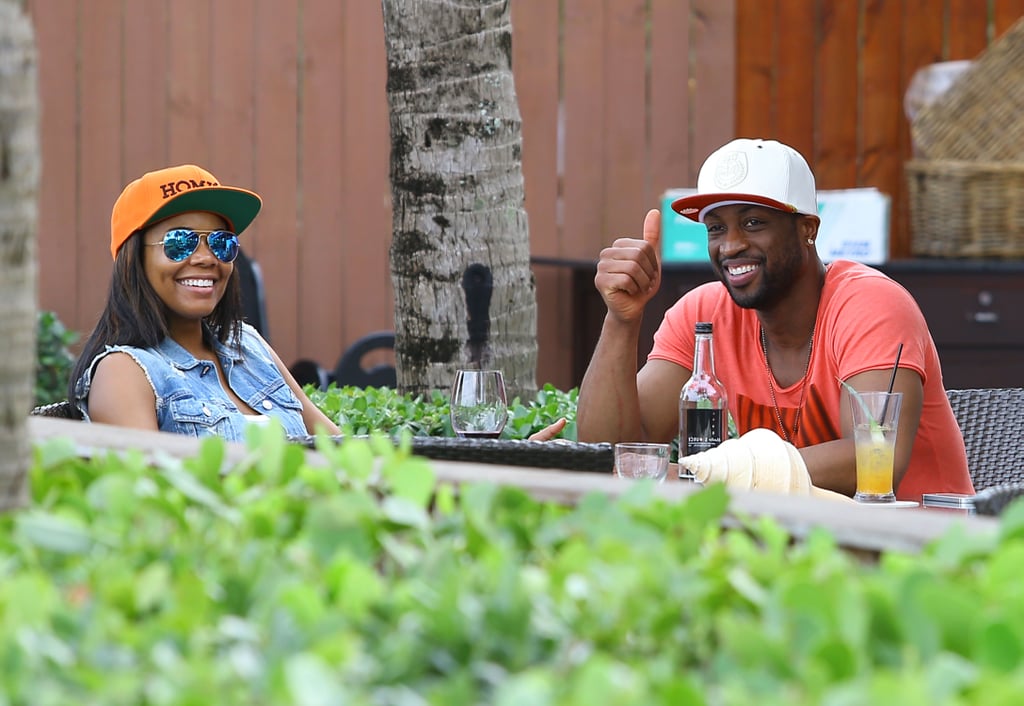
309	372
61	410
350	370
995	499
992	423
254	300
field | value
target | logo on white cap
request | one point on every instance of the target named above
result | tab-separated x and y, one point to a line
731	170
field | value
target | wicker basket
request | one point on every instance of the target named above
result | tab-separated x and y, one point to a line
966	209
979	117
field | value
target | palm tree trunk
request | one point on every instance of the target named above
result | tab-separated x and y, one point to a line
19	183
460	251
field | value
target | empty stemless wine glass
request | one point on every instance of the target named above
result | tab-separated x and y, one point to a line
479	408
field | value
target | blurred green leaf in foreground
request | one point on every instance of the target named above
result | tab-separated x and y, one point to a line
274	581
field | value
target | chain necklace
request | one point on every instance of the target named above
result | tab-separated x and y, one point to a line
803	387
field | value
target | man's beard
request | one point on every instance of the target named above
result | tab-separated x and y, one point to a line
775	282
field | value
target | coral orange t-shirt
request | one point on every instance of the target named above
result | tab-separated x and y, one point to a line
863	316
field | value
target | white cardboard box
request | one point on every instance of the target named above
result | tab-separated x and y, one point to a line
854	226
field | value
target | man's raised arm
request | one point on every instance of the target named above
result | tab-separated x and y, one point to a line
628	275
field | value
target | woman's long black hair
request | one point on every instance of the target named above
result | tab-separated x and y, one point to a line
135	315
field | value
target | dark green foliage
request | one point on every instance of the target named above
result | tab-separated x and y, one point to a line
54	358
360	411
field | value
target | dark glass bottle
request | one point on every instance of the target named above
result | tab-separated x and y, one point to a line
703	404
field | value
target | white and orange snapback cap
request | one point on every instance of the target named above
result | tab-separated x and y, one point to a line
745	171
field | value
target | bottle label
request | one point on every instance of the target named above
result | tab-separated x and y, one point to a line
702	429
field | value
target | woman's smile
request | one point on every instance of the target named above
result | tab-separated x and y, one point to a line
196	283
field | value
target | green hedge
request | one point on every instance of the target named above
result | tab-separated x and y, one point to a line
359	410
281	583
54	359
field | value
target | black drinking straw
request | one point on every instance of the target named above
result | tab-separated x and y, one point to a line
892	380
895	367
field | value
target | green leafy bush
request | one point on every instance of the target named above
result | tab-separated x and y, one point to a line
54	358
359	411
276	582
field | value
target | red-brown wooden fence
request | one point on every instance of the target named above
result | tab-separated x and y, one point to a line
620	100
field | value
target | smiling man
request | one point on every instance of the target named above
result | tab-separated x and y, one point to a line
788	328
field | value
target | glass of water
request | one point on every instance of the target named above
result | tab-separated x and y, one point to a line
479	408
641	460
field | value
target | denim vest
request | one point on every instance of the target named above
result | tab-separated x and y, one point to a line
189	396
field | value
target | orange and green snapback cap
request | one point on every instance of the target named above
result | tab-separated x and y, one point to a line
167	192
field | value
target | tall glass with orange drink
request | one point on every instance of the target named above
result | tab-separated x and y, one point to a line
875	424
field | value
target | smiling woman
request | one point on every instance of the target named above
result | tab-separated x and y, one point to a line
171	350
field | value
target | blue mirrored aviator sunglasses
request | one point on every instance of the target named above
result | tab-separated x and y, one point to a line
180	243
